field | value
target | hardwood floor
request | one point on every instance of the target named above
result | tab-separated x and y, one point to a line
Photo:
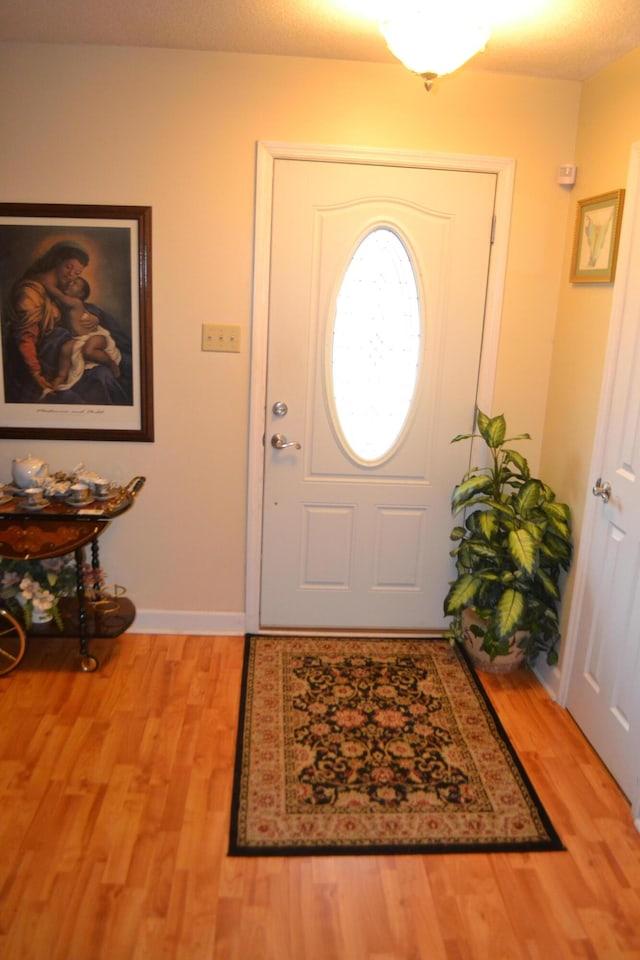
114	803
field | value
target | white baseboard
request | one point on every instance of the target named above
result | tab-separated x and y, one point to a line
549	677
189	622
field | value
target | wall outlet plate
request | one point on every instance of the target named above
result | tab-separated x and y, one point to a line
221	337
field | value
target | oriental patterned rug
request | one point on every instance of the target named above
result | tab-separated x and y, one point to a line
374	746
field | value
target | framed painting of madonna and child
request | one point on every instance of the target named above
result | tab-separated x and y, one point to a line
75	318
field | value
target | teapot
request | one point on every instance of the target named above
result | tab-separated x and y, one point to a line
29	472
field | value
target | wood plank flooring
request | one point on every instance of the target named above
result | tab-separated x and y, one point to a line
114	805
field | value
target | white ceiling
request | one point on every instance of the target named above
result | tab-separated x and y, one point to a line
565	39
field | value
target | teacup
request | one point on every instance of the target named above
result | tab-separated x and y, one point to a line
34	496
101	487
79	492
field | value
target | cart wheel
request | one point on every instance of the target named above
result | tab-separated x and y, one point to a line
88	663
12	642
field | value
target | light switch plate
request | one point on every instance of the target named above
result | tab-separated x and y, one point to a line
224	337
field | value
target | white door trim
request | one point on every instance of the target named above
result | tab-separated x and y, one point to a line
592	504
267	153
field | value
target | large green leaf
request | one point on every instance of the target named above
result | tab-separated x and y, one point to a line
512	456
547	491
465	559
523	549
483	423
559	516
487	524
504	509
467	490
509	613
536	528
478	548
461	594
492	429
549	584
556	548
528	497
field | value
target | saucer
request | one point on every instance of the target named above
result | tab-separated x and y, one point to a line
35	506
79	503
5	498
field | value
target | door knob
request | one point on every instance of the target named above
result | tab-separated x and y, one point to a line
601	489
279	441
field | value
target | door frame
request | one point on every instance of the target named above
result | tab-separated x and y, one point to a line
267	153
592	504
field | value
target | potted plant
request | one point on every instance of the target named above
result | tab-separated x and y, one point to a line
510	555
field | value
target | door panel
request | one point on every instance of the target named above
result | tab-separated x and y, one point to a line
348	544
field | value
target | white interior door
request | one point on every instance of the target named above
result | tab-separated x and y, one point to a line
349	542
604	685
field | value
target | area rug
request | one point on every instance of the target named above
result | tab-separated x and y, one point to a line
374	746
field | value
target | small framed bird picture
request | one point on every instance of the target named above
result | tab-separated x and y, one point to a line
596	238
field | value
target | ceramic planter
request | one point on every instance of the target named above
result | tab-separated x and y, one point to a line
506	663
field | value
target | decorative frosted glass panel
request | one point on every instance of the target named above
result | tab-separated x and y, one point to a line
376	345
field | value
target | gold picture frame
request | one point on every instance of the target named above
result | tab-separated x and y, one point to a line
596	238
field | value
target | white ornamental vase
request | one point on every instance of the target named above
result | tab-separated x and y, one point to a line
37	616
41	616
506	663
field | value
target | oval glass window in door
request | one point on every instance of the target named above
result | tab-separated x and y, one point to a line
375	354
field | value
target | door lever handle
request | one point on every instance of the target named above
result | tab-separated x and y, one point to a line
279	441
601	489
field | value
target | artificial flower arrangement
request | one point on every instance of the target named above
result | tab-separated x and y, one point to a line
32	589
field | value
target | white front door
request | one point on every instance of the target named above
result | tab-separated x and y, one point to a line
348	540
604	689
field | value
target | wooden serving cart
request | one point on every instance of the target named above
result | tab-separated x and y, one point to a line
59	528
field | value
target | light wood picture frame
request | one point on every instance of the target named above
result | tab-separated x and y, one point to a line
596	238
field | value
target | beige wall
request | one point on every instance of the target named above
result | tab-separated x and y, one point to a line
609	122
177	130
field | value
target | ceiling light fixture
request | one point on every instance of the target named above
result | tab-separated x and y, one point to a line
434	37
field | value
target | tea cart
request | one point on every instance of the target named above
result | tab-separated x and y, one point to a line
60	528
